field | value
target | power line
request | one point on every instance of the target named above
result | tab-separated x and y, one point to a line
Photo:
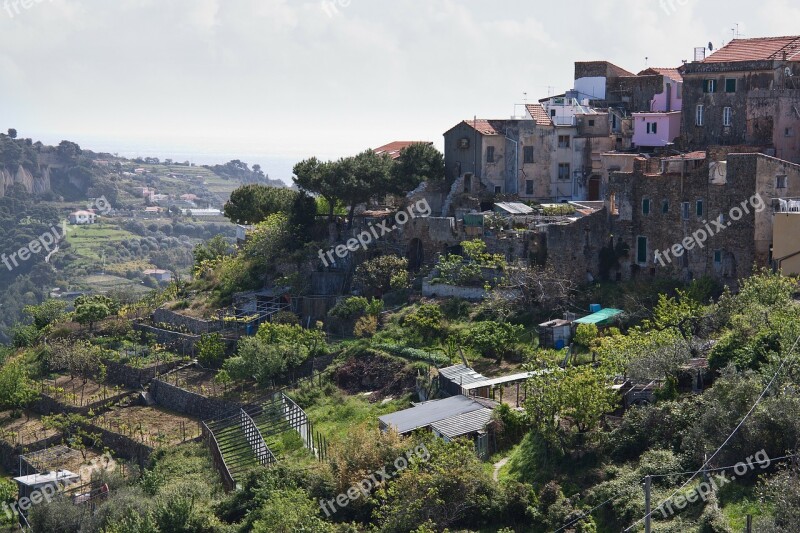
735	430
721	467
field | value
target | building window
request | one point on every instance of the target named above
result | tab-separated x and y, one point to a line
788	132
780	182
721	218
498	189
699	208
665	207
490	154
698	116
527	155
685	210
645	206
717	257
563	141
563	171
553	113
727	116
591	123
730	85
529	187
641	250
710	86
652	127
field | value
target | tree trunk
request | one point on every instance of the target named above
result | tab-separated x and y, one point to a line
350	216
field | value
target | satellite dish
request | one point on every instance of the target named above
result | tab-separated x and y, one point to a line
710	46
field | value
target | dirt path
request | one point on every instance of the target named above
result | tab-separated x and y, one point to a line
497	466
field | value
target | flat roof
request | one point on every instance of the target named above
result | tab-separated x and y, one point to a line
461	374
47	477
506	379
428	413
604	315
515	208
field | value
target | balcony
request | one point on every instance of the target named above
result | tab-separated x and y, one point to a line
564	121
787	205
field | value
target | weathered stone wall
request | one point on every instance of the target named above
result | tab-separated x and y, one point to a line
122	446
186	402
185	342
730	250
135	378
9	453
573	249
751	75
46	405
440	290
191	324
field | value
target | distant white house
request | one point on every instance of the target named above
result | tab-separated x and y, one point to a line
82	218
158	274
203	212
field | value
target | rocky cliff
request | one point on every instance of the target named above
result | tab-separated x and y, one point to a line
34	182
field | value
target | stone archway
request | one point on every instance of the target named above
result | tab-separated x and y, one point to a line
415	254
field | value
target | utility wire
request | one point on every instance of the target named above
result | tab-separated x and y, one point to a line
735	430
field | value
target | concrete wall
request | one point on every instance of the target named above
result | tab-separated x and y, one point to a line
135	378
460	161
786	242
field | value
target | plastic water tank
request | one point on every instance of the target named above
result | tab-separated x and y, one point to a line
560	344
595	308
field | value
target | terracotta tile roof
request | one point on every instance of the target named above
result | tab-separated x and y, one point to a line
485	127
761	49
671	73
393	149
539	114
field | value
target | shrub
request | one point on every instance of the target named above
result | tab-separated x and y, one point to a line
426	320
366	326
585	335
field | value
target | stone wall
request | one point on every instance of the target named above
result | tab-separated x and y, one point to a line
573	250
193	325
441	290
46	405
186	402
122	446
9	453
184	341
135	378
728	253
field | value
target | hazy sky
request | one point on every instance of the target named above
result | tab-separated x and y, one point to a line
295	78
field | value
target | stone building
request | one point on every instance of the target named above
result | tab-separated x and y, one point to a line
712	219
746	93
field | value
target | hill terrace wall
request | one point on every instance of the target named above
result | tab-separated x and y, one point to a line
188	403
135	378
194	325
9	453
164	336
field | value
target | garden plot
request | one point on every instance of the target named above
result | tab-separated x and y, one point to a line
23	430
153	426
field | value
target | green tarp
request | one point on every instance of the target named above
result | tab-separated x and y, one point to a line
600	318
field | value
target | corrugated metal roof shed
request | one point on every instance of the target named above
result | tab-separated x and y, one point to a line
427	413
464	424
522	376
461	375
514	208
601	318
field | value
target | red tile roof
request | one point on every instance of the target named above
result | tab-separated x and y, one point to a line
761	49
393	149
539	114
671	73
485	127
